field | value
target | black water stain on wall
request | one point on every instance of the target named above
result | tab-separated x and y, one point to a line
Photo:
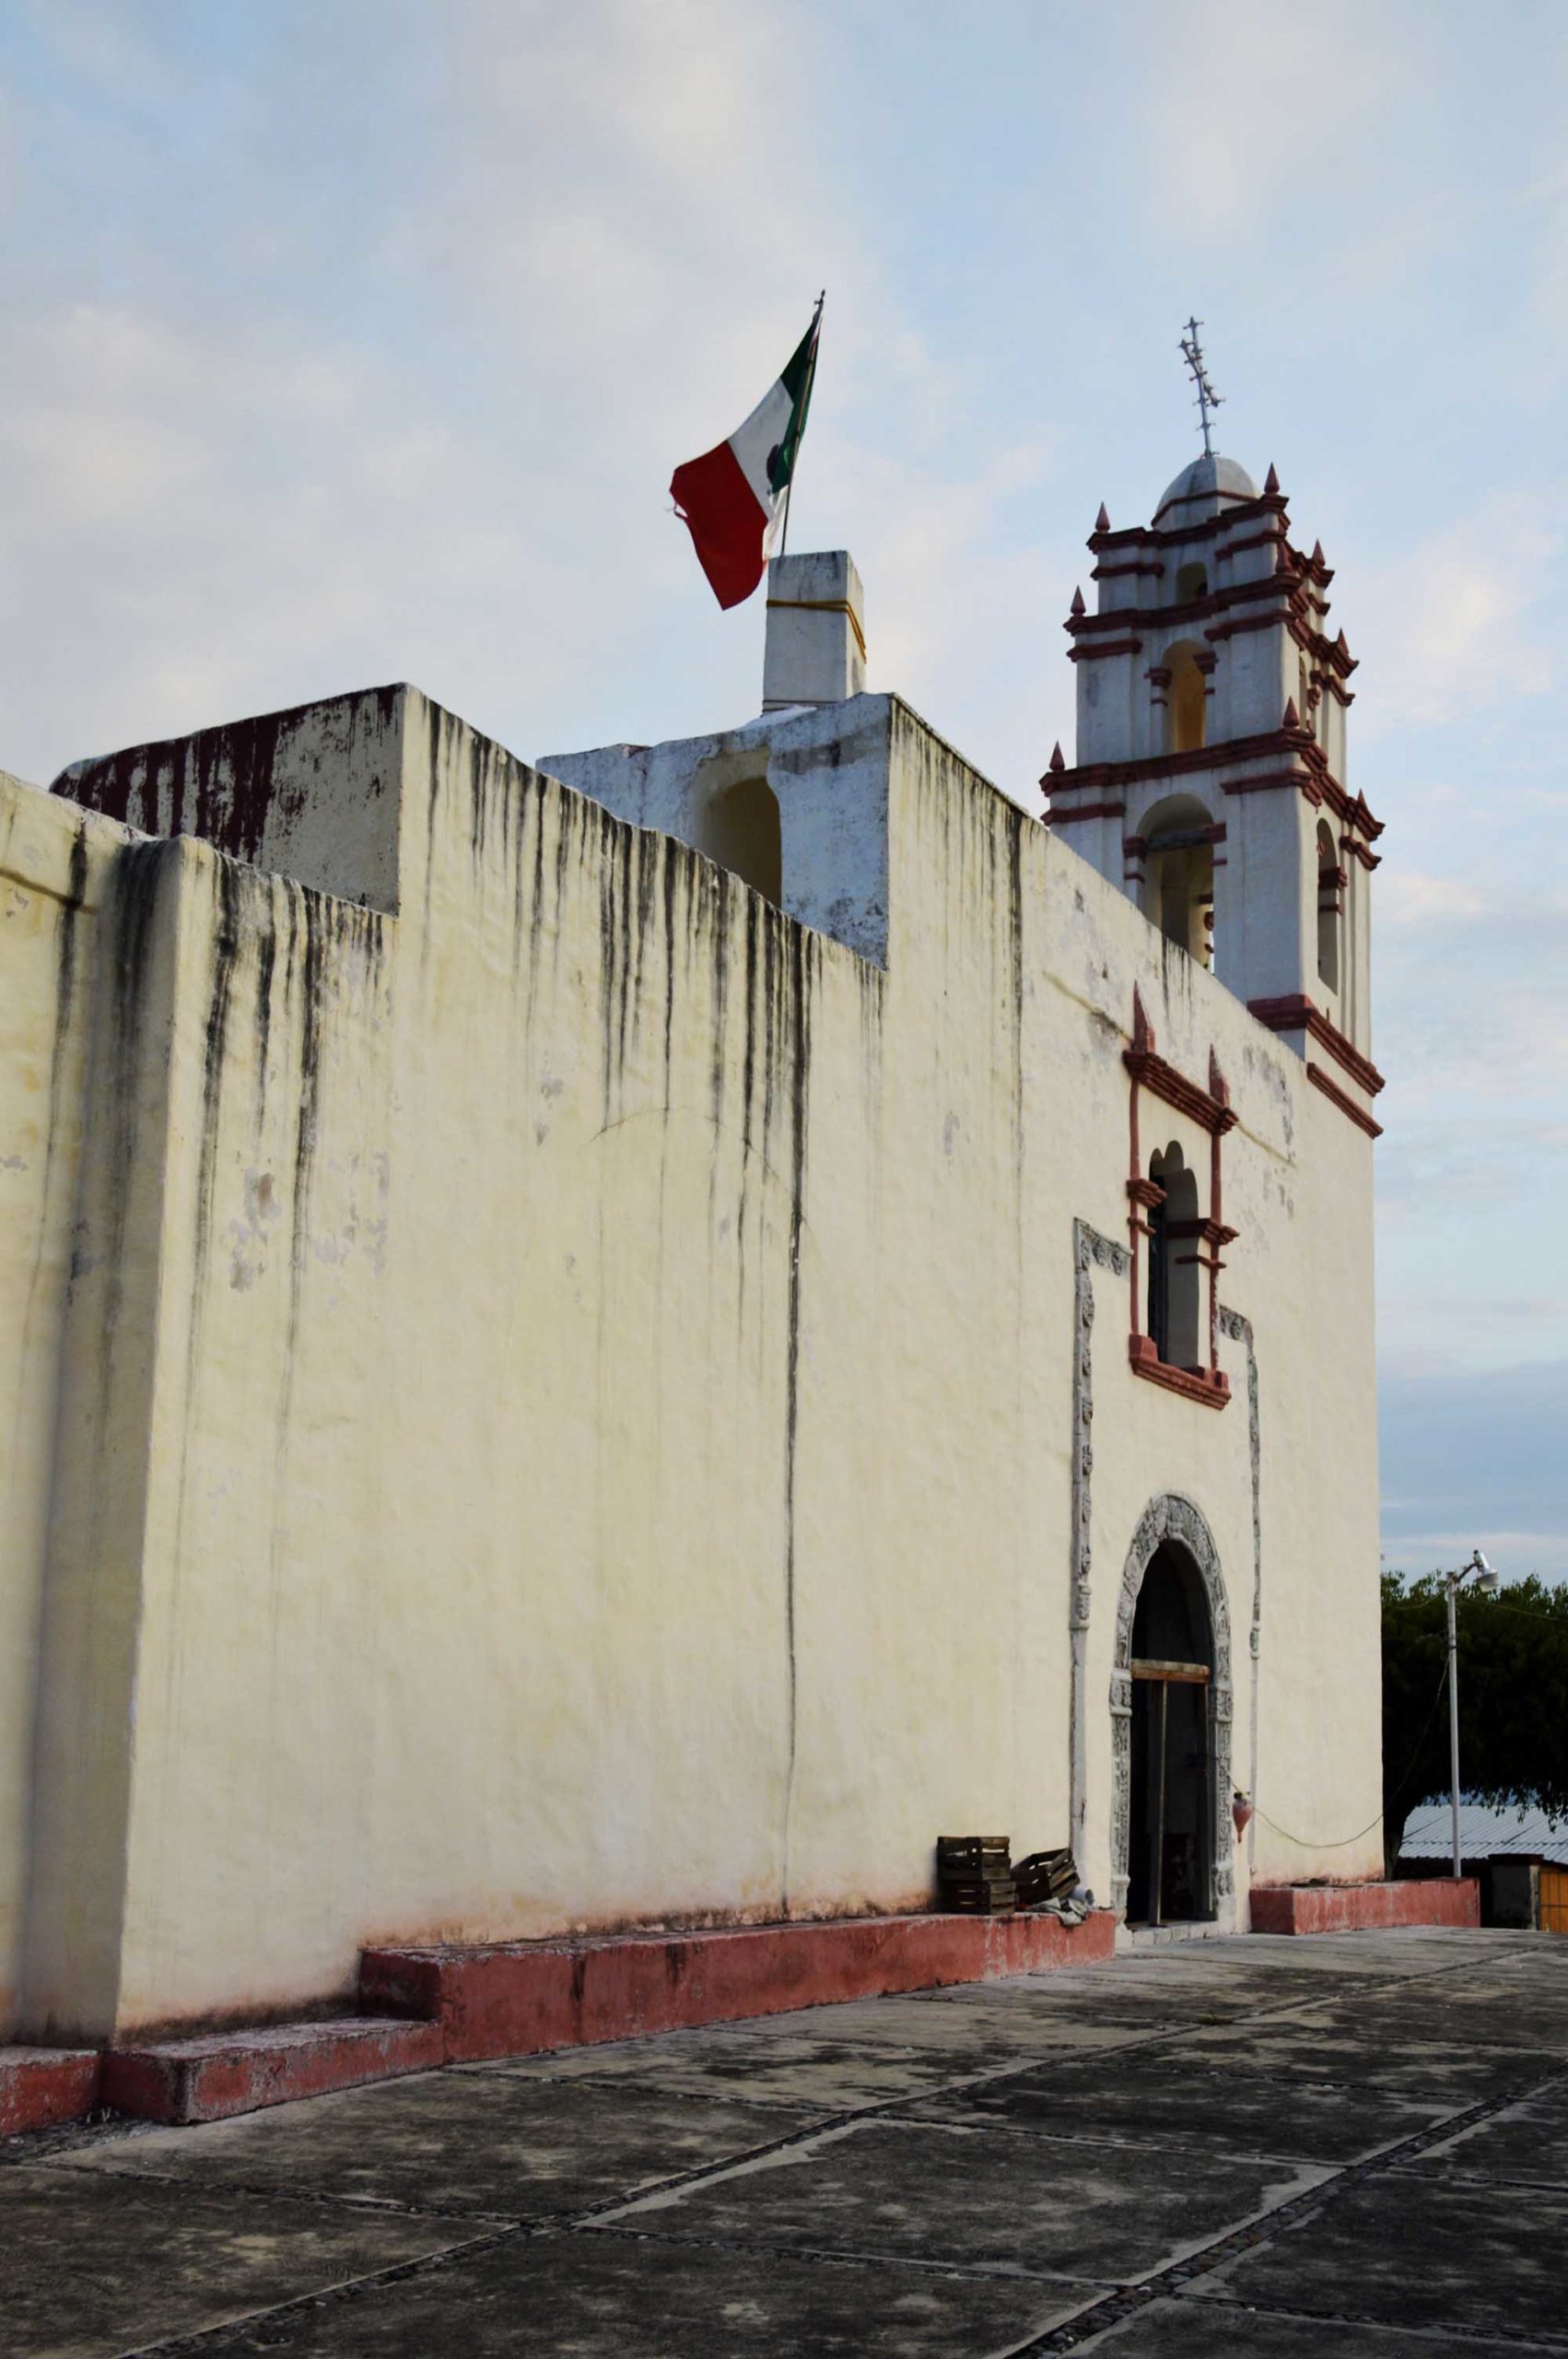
225	785
266	963
802	954
141	878
229	892
66	960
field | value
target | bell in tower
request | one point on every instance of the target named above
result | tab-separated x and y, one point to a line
1209	783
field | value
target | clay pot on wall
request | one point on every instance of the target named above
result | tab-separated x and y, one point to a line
1241	1812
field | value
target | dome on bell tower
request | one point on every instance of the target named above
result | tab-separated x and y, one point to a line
1207	488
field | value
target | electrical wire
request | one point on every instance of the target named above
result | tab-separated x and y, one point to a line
1346	1841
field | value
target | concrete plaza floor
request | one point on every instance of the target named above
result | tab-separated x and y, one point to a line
1356	2144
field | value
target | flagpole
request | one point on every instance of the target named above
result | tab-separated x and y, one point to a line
810	387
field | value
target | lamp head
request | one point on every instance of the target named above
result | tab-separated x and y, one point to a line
1488	1579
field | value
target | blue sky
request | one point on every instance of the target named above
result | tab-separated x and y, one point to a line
358	343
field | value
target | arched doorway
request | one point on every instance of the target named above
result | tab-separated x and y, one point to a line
1171	1725
1169	1866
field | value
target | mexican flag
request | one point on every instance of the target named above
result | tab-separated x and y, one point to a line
730	498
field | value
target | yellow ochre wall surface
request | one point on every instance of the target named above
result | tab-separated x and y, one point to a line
538	1395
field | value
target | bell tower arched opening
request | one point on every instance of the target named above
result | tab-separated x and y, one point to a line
1171	1815
1179	888
1186	701
1330	888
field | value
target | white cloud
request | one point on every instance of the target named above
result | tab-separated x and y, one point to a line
1455	622
1221	84
1410	898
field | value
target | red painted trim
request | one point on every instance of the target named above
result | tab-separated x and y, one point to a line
220	2073
1211	1386
1136	564
1294	1013
1361	1908
1242	623
40	2088
1200	528
1086	811
521	1999
1273	782
1358	1114
1296	745
1111	647
1151	1072
1217	601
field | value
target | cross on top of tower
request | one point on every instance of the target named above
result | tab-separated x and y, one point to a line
1207	399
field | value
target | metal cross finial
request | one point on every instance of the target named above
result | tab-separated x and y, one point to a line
1207	399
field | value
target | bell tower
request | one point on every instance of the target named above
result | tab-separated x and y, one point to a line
1209	783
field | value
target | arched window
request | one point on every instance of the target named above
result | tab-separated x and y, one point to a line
1187	703
739	828
1175	1238
1192	582
1178	882
1329	888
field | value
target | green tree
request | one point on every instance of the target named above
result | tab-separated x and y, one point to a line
1513	1697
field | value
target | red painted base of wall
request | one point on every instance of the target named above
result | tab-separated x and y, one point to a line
438	2006
238	2072
40	2088
523	1998
1361	1908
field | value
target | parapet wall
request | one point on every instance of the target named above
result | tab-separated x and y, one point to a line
551	1408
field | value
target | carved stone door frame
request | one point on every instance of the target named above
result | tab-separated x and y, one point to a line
1173	1518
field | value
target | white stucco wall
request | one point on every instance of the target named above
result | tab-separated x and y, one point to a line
585	1434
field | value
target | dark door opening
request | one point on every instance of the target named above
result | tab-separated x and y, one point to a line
1170	1834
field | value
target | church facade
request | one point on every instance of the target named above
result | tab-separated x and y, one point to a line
628	1341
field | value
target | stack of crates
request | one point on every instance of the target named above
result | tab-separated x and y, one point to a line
973	1875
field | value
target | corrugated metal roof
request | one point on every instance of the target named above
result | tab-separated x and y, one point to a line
1482	1833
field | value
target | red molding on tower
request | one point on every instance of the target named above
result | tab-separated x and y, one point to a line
1294	1013
1310	776
1111	647
1203	528
1332	1091
1085	811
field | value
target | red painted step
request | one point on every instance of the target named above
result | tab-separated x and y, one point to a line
238	2072
1364	1907
40	2088
521	1997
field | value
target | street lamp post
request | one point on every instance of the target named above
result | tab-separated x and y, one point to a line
1452	1581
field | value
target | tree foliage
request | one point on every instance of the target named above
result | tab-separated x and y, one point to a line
1513	1697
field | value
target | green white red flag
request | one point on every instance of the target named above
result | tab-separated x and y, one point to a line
730	498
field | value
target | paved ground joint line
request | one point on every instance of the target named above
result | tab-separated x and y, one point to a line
824	2256
1266	2227
349	2289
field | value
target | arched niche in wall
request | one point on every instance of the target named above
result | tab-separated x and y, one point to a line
1178	882
737	824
